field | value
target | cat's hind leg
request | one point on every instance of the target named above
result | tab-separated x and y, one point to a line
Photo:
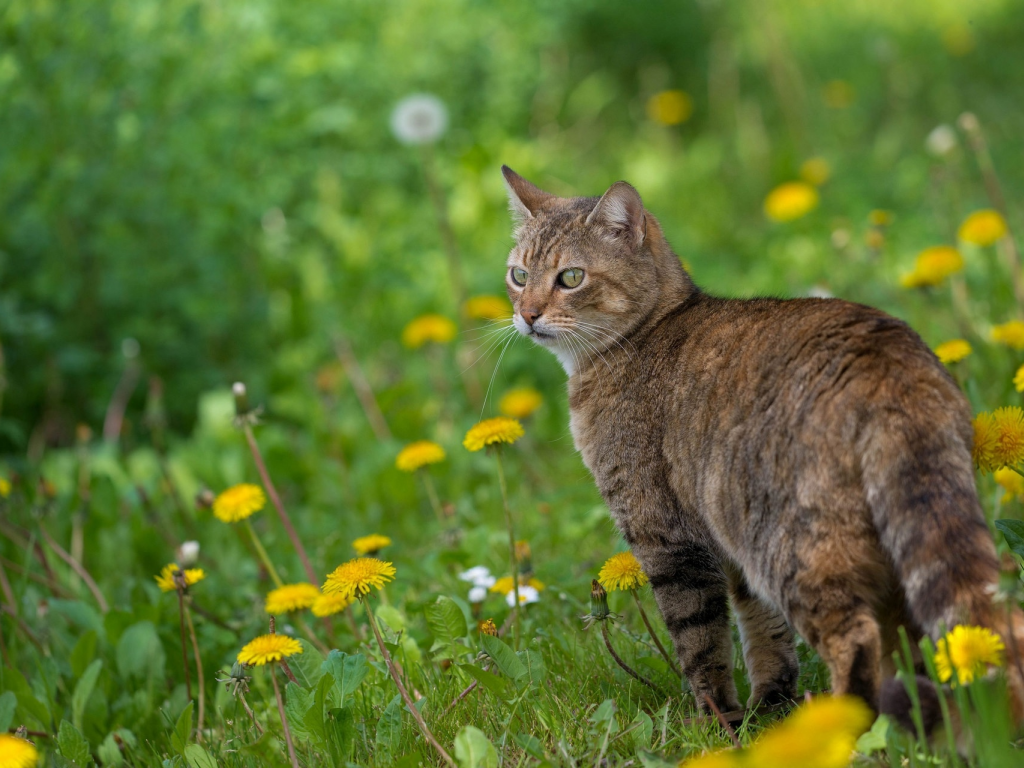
769	647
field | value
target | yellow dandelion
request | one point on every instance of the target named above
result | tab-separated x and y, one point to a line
419	454
428	328
968	651
488	308
725	758
1018	379
354	578
268	648
983	452
328	605
291	597
504	585
932	266
520	403
815	171
838	94
790	201
821	734
670	107
983	228
17	753
952	351
880	218
1008	424
239	502
165	580
370	545
1011	482
500	429
487	627
1011	334
5	487
622	571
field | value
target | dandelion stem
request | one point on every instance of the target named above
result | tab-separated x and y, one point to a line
284	720
511	545
344	353
721	719
78	568
199	669
618	660
650	630
435	502
301	622
180	584
262	553
390	664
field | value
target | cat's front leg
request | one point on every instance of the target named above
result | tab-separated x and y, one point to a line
691	588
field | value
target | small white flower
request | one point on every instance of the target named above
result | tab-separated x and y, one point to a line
527	595
187	553
477	594
419	119
478	576
941	141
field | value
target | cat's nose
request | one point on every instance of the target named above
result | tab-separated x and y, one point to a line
530	315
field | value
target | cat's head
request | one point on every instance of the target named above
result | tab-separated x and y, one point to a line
584	271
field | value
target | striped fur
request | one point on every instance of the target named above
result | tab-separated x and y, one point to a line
809	459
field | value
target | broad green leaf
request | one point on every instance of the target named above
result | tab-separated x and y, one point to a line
530	744
78	613
298	702
389	728
536	672
308	666
15	682
496	685
504	658
644	728
340	726
446	620
348	671
182	729
83	653
474	750
391	616
198	757
139	652
80	698
1013	532
8	703
72	745
874	739
110	750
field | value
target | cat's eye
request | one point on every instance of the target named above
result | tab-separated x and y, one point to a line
518	276
570	278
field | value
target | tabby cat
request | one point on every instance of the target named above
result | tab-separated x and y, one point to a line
807	459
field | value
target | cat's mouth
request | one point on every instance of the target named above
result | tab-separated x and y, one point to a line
541	334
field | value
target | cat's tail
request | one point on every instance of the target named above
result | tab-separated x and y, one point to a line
925	508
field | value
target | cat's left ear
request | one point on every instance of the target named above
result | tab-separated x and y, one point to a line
621	211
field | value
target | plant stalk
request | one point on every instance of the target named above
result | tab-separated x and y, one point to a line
199	670
264	557
650	630
618	660
517	607
284	720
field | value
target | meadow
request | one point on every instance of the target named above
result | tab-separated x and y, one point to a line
253	343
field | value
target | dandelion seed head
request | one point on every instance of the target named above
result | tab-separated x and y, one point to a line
419	119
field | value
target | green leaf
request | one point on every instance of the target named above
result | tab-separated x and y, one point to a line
347	671
298	703
643	730
496	685
15	682
341	729
72	745
534	664
474	750
139	652
308	666
109	751
80	698
182	729
83	653
198	757
530	745
389	728
8	703
874	739
78	613
391	616
1013	532
504	658
446	620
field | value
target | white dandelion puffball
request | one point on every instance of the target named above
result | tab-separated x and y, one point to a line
478	576
527	595
419	119
941	141
187	553
477	594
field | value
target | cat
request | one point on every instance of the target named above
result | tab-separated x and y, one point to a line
807	460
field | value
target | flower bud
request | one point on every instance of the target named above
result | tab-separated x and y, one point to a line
204	499
187	553
241	398
487	628
598	600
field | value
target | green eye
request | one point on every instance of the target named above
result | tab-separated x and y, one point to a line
518	276
570	278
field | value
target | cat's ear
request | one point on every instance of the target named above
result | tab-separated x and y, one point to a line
524	199
621	211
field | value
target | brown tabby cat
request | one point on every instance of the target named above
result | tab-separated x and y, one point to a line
809	459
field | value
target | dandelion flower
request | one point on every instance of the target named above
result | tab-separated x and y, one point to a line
419	454
815	171
487	627
488	308
982	227
790	201
1008	424
1011	334
941	141
354	578
983	451
1018	379
952	351
1011	482
239	502
291	597
504	585
17	753
622	571
670	107
968	651
527	595
328	605
268	648
821	734
5	490
166	578
370	545
419	119
500	429
520	403
478	576
932	266
428	328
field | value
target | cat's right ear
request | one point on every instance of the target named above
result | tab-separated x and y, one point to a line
524	199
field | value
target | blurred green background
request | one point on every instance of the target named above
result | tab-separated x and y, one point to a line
218	181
